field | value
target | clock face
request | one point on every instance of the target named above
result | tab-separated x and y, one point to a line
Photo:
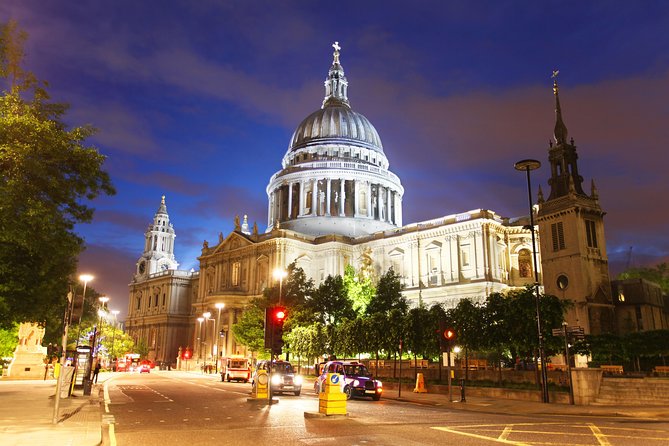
142	267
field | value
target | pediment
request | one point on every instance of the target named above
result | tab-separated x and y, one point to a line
396	252
232	242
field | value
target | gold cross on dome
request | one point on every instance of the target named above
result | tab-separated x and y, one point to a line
555	74
336	46
336	52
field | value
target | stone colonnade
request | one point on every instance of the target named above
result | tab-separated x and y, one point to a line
327	197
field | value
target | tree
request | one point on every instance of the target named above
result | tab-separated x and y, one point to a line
658	274
388	295
359	288
9	339
47	174
249	330
330	305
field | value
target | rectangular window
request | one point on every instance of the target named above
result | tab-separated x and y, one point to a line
591	233
235	273
557	232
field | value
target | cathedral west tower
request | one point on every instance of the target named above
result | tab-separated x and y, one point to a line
571	228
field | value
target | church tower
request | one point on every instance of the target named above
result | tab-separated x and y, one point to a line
158	245
571	232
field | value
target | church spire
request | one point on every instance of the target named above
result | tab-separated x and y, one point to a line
560	131
563	158
336	83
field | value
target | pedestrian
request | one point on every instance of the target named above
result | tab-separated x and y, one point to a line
96	370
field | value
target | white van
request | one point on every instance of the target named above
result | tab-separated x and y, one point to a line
235	368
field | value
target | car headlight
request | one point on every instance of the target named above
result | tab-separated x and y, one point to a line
276	379
379	384
356	383
298	380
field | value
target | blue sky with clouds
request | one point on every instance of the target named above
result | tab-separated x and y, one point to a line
198	100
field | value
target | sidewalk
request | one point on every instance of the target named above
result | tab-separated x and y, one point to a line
27	409
519	407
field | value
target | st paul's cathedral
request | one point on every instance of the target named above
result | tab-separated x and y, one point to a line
335	202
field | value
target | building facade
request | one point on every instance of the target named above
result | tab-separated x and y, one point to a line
335	202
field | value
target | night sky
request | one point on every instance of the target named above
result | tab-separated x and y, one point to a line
197	100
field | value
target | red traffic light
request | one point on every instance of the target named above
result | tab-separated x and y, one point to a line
449	334
279	314
187	353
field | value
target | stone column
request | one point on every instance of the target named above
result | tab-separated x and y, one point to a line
379	201
301	210
290	201
228	336
342	197
388	202
270	209
356	208
370	212
314	197
327	197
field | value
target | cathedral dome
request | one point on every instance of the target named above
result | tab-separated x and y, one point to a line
336	122
335	176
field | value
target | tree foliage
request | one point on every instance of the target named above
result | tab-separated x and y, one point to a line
658	274
47	174
359	288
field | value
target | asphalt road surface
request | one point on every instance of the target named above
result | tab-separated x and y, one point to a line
173	408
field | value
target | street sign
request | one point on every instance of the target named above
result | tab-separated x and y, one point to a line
558	332
576	332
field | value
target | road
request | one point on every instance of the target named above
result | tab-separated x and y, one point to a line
166	408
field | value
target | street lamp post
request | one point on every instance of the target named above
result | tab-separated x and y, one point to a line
207	317
219	306
111	356
199	340
528	165
84	278
101	312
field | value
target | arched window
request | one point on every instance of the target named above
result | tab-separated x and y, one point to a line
525	263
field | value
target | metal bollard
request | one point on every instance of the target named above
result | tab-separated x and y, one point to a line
462	391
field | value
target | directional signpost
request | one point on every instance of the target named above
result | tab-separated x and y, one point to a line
573	332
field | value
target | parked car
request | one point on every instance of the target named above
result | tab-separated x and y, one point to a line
357	379
283	377
144	368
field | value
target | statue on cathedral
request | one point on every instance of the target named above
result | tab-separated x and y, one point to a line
205	245
238	226
220	238
255	228
367	264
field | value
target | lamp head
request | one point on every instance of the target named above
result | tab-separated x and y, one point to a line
206	315
86	278
219	305
528	164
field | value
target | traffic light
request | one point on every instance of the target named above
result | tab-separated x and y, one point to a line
274	319
449	334
187	353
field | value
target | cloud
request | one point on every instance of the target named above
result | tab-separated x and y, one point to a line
113	269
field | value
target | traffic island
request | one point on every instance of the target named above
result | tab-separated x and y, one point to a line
331	400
